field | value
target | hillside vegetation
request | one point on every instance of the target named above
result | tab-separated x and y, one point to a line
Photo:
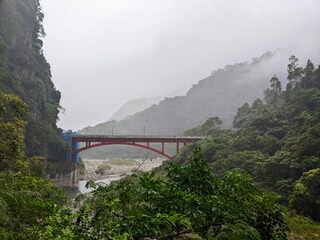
277	142
25	72
185	200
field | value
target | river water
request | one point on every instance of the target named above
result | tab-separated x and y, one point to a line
118	169
82	184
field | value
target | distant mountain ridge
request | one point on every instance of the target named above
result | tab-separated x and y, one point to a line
133	107
220	94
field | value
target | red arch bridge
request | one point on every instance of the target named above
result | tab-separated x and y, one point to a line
92	141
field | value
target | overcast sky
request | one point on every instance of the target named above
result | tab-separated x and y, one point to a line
104	53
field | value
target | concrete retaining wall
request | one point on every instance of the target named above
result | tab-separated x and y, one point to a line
64	174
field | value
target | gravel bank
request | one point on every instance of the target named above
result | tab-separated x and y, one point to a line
102	168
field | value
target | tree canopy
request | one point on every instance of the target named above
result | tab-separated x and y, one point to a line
276	141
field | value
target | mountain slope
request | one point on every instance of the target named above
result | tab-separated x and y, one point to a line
220	94
133	107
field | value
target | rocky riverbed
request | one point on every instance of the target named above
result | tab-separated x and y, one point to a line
96	169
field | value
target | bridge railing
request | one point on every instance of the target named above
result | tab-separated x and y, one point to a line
76	141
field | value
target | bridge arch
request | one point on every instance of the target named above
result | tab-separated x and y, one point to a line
122	143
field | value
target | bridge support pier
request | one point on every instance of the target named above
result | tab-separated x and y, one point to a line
64	174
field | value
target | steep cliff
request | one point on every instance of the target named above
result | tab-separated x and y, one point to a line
25	72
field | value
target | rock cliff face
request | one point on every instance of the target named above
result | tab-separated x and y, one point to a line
25	72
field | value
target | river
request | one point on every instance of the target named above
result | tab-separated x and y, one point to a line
82	184
112	169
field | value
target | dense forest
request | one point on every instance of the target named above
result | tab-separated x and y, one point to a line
277	141
25	72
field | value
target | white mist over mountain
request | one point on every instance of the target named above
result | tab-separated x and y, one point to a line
106	53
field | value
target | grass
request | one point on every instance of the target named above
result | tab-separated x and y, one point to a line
302	228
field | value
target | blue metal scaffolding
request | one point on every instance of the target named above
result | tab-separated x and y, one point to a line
67	136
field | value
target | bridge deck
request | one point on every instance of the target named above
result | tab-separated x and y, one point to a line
133	138
92	141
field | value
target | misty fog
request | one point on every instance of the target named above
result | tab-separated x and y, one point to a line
106	53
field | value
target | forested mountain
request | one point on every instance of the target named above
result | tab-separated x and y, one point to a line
25	72
277	141
217	95
133	107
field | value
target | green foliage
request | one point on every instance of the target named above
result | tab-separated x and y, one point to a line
12	112
210	127
253	140
305	198
102	168
25	72
12	155
190	199
248	161
213	148
82	167
294	74
58	226
241	117
25	201
273	96
34	166
277	141
302	228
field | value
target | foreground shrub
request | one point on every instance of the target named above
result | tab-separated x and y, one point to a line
189	199
305	198
25	201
